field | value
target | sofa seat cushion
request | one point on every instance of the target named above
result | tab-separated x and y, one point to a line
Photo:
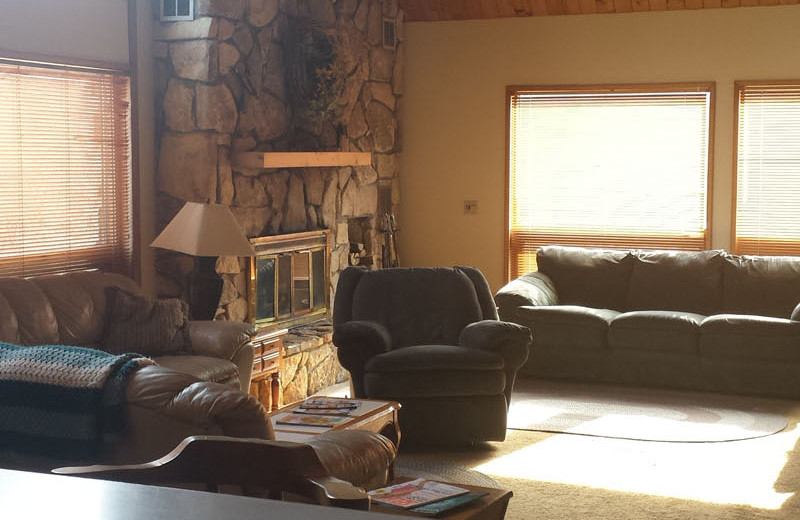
662	331
567	327
761	285
587	277
750	337
688	281
204	368
434	370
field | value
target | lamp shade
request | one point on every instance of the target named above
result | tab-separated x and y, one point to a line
204	230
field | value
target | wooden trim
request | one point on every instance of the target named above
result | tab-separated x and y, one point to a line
133	58
777	246
700	86
507	216
737	88
712	108
58	62
300	159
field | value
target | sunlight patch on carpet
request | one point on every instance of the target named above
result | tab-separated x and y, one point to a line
720	473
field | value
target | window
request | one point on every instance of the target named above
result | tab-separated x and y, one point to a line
65	170
607	167
175	10
767	213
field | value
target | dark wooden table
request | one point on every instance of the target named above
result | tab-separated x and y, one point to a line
40	496
490	507
372	415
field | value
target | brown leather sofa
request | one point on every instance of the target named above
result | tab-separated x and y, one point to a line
705	320
197	393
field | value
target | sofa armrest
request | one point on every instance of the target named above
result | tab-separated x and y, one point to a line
199	406
230	340
221	339
530	289
796	313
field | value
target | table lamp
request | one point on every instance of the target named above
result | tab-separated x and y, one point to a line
205	231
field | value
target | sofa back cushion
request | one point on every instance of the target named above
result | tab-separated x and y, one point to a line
66	309
417	305
761	285
588	277
689	281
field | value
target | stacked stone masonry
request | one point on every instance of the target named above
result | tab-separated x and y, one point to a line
222	87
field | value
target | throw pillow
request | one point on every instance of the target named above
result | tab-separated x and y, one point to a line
143	325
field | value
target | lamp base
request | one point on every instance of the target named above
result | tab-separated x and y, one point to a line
205	288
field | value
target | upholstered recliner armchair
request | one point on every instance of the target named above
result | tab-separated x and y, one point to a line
430	339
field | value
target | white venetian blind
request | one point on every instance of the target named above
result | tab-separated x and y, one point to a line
65	170
767	219
607	168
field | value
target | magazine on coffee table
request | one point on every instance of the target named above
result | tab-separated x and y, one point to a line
448	504
415	493
328	403
325	421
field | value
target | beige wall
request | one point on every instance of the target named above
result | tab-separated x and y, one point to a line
94	30
453	124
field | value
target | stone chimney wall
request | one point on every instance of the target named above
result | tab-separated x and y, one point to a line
228	81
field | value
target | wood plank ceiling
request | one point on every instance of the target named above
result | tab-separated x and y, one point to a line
444	10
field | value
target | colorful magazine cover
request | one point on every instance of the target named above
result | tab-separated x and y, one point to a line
415	493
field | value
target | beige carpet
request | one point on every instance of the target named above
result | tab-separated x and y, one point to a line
639	413
562	476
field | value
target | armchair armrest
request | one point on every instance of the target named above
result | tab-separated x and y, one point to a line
510	340
358	341
531	289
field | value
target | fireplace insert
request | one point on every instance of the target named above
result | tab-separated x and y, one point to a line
289	277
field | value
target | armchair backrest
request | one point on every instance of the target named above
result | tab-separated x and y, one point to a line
429	305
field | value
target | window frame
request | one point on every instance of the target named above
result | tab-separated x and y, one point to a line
738	86
132	262
512	90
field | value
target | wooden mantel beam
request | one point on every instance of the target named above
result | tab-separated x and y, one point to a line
300	159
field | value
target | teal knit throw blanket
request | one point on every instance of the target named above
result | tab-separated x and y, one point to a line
56	397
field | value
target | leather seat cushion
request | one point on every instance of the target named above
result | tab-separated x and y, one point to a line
427	358
430	383
204	368
750	337
567	327
663	331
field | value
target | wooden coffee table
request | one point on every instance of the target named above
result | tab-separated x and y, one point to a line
490	507
371	415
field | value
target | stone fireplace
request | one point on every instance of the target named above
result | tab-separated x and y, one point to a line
281	75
